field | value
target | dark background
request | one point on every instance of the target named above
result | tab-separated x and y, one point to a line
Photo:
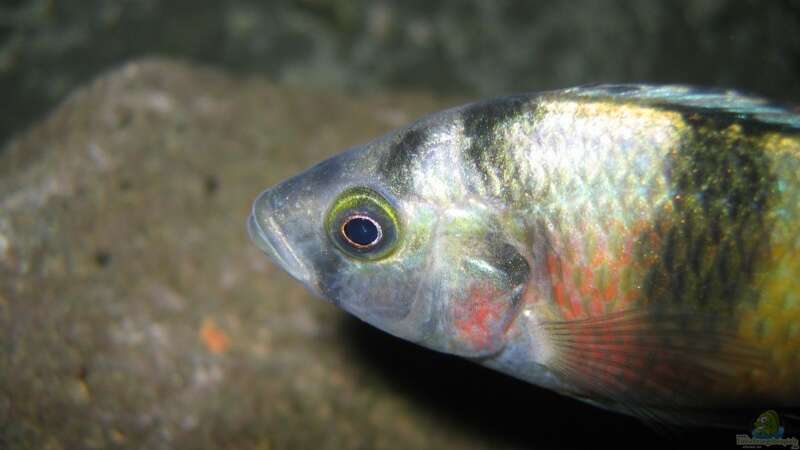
464	48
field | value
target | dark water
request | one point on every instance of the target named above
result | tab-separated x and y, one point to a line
514	413
451	47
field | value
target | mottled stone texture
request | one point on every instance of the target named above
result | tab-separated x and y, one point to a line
462	47
135	313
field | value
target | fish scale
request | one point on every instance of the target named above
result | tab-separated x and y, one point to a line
690	268
636	247
773	322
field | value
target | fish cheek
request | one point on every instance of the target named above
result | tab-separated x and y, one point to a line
376	293
479	314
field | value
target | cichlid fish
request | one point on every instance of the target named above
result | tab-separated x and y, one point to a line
636	247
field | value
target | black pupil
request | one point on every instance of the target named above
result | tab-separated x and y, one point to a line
361	231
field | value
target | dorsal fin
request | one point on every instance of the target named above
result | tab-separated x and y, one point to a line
704	99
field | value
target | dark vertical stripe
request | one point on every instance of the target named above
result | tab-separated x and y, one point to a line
397	166
486	153
717	229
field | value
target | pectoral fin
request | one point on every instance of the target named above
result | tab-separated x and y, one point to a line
646	362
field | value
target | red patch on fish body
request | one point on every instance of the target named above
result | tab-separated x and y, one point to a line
587	272
479	318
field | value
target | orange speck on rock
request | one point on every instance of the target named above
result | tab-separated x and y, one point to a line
215	340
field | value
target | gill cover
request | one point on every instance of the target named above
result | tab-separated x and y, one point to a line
482	279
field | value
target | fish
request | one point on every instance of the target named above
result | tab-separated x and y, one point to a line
636	247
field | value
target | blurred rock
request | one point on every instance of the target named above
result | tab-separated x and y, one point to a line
136	314
135	311
457	47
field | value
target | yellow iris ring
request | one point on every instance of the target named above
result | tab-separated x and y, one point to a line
357	201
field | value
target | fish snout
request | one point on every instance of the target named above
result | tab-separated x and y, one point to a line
268	234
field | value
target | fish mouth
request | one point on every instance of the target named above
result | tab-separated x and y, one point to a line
271	239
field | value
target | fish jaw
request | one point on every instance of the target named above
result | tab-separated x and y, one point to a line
270	237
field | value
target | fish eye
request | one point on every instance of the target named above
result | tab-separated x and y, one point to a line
362	224
361	231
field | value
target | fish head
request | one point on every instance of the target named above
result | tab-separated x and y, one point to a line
409	260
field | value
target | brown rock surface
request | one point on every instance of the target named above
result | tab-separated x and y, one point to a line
135	313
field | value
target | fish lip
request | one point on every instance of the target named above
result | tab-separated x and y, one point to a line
271	239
